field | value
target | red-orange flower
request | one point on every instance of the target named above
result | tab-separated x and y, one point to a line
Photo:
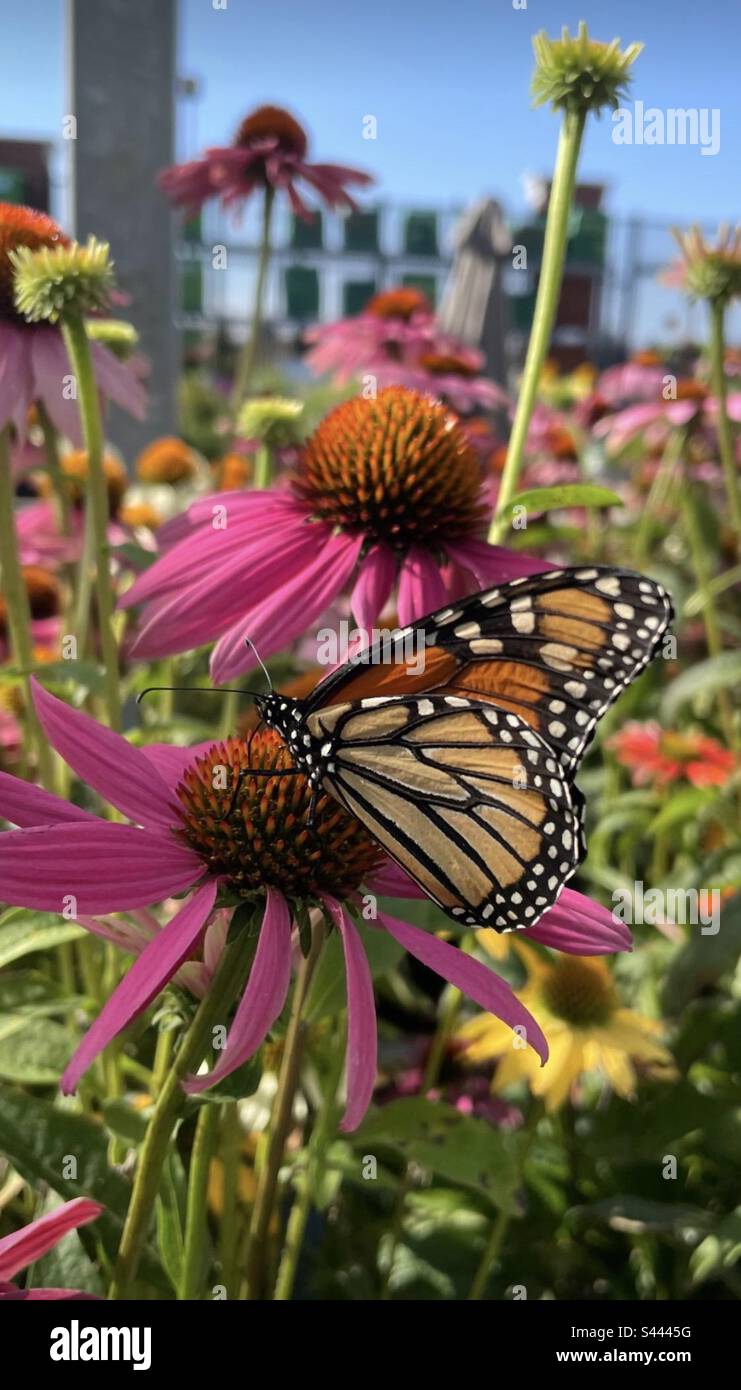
662	756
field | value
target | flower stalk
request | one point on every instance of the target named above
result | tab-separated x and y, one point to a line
19	611
213	1009
248	355
78	349
725	431
546	304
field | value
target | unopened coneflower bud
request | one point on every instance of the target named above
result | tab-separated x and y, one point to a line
116	334
709	271
274	420
61	282
579	73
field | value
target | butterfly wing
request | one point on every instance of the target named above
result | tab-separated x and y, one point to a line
468	799
555	648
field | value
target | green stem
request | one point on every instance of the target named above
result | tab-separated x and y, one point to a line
725	431
195	1210
500	1225
710	618
224	987
248	355
229	713
308	1181
280	1122
658	493
78	350
263	467
62	508
231	1160
18	611
546	304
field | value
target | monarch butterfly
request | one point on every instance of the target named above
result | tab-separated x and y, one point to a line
463	771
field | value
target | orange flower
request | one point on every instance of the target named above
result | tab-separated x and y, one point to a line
662	756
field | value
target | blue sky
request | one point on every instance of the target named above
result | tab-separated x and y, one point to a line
447	81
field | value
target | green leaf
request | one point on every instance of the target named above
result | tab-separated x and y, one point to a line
68	1265
327	993
704	958
639	1216
33	1051
40	1138
545	499
124	1122
686	804
85	674
702	679
457	1147
719	1251
169	1217
22	932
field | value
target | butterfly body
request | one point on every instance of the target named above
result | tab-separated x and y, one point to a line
463	771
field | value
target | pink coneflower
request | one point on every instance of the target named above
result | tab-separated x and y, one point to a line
24	1247
384	488
44	600
692	405
33	359
394	329
639	379
451	372
666	756
269	151
192	836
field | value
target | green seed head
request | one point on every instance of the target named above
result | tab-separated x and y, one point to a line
579	74
274	420
62	281
707	271
118	335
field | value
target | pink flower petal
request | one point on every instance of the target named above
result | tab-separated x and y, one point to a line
23	1247
362	1036
106	761
421	586
264	997
16	376
150	972
22	803
51	372
105	867
117	381
472	978
171	761
289	610
578	925
494	564
373	585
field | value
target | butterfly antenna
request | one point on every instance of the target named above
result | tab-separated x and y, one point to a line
249	643
186	689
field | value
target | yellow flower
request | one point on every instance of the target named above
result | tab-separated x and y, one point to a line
576	1003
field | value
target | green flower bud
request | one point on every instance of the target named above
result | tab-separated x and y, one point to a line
62	281
274	420
580	74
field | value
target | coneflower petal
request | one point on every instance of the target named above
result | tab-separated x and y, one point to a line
362	1032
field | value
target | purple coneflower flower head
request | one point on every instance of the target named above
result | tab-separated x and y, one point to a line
388	493
394	329
192	835
27	1245
269	151
33	359
688	405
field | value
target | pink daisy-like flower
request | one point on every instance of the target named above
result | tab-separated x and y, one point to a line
385	489
191	835
390	334
692	405
24	1247
269	151
33	359
639	379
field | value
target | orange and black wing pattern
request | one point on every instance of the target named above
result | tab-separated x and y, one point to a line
556	649
467	798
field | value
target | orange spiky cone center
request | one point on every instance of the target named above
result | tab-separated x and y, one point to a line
21	226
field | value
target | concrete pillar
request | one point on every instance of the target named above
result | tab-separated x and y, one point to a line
121	64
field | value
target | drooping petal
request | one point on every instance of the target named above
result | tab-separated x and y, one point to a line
289	610
578	925
23	1247
373	585
148	975
264	997
421	586
103	866
51	372
362	1034
16	376
116	380
22	803
472	978
106	761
